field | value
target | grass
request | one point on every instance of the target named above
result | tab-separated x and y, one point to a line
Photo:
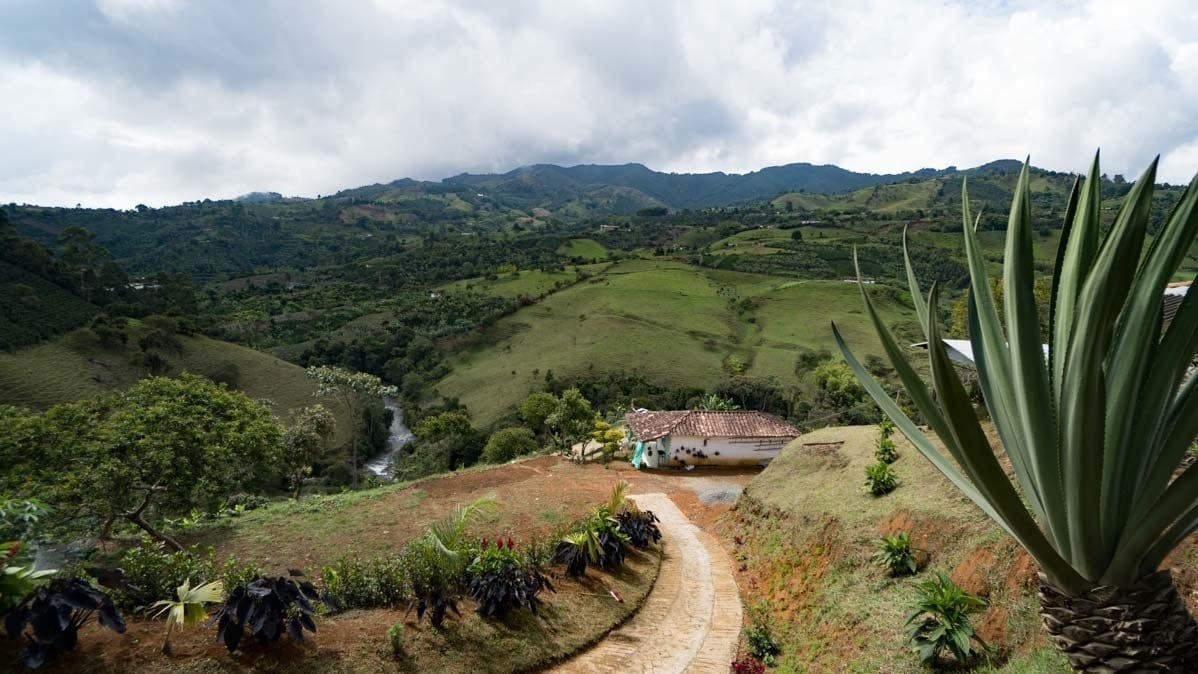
530	282
673	322
77	366
807	529
588	249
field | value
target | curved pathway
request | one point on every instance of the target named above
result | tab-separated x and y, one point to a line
691	620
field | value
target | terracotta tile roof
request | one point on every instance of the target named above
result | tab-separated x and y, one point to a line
708	424
1174	294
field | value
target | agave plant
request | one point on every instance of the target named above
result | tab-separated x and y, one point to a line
1095	430
188	609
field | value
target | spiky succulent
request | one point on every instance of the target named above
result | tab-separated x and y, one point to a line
1096	428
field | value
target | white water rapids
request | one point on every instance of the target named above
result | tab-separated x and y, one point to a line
399	436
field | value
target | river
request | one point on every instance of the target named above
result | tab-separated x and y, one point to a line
399	436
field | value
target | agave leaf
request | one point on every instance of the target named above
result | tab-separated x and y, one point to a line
1075	255
1033	407
1089	475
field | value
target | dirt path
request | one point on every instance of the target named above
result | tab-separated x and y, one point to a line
692	618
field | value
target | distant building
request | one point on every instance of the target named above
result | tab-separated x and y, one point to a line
701	437
960	351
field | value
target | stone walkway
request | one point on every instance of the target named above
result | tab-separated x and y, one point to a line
692	618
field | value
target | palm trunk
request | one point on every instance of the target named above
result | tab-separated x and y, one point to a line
1143	628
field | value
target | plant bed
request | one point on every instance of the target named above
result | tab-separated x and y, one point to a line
578	615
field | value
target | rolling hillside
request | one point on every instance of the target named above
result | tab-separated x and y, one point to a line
77	366
677	324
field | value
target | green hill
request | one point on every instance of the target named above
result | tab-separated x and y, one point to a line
677	324
77	366
33	308
804	530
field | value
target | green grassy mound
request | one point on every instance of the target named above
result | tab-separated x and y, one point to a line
588	249
804	532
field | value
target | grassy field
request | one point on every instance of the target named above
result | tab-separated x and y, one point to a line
804	531
589	249
527	282
673	322
77	366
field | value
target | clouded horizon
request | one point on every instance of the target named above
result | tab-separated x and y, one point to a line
120	102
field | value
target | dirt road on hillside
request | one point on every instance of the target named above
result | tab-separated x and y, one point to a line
692	618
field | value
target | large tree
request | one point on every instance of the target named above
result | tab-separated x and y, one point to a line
304	443
1096	429
352	390
163	447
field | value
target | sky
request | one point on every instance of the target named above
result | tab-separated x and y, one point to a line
113	103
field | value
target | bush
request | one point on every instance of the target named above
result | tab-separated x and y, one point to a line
940	621
395	638
352	582
55	613
886	452
226	372
759	636
747	665
880	479
640	526
508	443
151	573
895	554
268	607
500	580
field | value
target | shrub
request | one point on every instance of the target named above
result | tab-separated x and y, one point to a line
436	562
895	554
54	614
16	582
640	526
352	582
940	621
759	636
880	479
226	372
886	451
395	638
500	581
268	607
747	665
508	443
575	551
150	573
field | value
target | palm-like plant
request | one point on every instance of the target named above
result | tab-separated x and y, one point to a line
1095	431
188	609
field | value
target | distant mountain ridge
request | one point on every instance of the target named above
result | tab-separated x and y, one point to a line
683	190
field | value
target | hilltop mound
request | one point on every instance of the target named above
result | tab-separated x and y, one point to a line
803	533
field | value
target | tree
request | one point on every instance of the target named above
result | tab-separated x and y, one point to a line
573	419
350	389
537	408
796	235
1096	432
305	442
608	438
161	448
717	402
506	444
81	255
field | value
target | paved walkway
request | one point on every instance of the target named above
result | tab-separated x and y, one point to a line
691	620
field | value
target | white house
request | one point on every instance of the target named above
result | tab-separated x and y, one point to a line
701	437
960	351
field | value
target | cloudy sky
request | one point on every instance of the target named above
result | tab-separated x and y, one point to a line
119	102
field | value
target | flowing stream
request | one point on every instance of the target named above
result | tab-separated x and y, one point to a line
400	435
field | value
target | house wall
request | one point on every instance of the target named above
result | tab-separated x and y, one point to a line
723	451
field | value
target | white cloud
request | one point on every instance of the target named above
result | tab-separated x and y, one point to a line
155	101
